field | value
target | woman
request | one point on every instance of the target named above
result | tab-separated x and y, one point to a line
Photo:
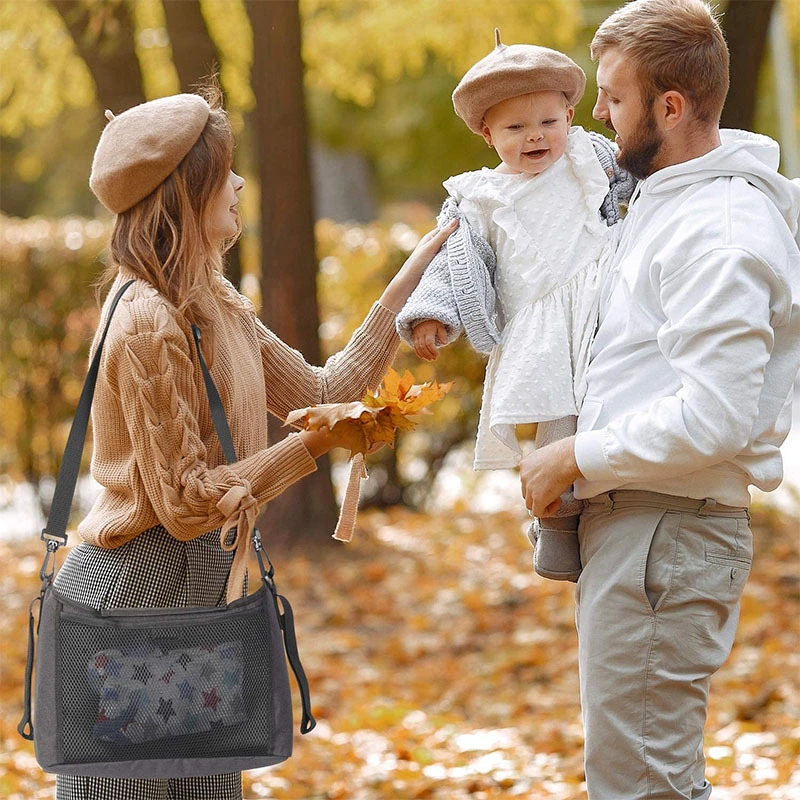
159	535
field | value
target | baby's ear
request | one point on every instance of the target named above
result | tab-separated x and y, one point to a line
486	133
570	114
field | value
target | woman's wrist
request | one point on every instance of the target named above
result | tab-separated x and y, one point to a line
405	281
316	442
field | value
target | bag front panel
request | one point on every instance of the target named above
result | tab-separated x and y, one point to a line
146	685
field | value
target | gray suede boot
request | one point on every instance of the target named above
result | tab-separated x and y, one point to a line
556	551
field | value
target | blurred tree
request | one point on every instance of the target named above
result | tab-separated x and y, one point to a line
193	50
289	300
104	37
746	25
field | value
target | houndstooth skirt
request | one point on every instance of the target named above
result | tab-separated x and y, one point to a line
154	570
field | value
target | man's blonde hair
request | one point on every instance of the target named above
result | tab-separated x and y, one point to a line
674	45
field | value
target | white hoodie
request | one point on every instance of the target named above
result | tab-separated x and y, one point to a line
689	387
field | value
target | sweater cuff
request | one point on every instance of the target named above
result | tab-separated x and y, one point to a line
380	326
284	463
383	321
590	456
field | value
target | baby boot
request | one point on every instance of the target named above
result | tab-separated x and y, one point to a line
556	552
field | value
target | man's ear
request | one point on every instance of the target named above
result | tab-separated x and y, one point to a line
673	109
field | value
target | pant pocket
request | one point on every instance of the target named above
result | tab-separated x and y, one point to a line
662	560
729	557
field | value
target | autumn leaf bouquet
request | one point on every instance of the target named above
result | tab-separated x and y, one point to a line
369	423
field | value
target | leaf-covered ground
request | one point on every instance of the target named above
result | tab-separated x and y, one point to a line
442	667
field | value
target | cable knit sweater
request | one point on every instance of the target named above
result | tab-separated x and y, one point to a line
156	453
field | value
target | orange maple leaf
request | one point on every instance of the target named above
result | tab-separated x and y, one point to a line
377	416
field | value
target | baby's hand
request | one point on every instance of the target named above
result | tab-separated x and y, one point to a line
429	335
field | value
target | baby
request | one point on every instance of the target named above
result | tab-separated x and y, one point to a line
522	273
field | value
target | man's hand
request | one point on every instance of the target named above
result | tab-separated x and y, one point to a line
546	474
429	336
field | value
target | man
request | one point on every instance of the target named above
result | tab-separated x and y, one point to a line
688	400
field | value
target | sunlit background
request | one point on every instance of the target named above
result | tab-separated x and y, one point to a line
441	666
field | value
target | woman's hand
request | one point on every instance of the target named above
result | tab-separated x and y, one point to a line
405	281
325	439
429	335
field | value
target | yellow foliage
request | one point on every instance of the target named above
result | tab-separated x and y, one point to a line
40	71
159	76
229	27
442	667
351	45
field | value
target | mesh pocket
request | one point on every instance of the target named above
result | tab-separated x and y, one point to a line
187	685
151	694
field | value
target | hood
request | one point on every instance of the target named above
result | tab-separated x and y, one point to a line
742	154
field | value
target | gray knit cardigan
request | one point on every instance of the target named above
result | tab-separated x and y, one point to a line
457	288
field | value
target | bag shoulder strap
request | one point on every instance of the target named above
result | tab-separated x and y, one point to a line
55	532
284	610
56	529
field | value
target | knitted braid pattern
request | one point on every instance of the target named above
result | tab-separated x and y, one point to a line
180	483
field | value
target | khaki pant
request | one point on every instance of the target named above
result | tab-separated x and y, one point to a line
657	606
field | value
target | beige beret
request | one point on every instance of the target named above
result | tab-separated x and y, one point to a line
509	71
141	147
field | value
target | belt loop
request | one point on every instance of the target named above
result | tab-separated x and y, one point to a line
709	507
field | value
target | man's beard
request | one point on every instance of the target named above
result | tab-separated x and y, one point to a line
639	152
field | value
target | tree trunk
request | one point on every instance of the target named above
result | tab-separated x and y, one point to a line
196	57
193	51
746	24
103	36
304	513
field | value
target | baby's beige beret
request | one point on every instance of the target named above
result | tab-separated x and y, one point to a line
139	148
509	71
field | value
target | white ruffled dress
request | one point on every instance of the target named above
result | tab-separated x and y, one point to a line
552	252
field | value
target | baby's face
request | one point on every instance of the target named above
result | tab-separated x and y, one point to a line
529	131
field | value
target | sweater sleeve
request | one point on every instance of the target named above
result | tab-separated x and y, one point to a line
154	375
721	312
433	298
292	383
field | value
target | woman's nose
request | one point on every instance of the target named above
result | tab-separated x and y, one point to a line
238	181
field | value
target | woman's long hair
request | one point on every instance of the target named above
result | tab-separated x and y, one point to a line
164	237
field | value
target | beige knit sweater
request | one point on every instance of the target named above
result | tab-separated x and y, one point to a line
156	453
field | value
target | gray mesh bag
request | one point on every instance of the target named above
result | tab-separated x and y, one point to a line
157	692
